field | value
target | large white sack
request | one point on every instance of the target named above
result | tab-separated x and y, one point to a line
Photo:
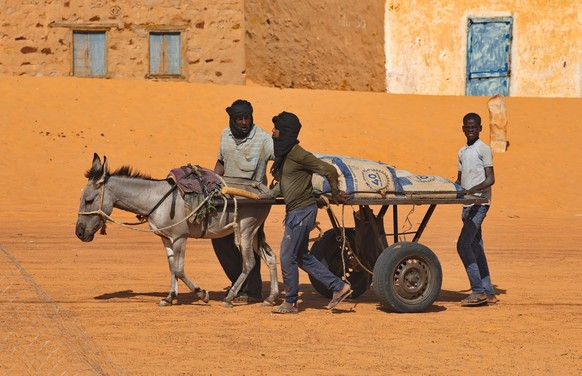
363	178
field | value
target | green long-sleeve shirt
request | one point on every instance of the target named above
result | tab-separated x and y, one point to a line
295	184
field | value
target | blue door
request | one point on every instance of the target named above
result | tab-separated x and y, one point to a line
89	54
488	56
165	54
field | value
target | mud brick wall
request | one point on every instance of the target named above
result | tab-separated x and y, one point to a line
36	36
326	44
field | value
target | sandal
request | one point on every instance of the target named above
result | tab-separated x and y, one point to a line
475	299
339	296
286	308
492	299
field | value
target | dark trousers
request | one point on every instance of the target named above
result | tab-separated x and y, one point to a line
295	254
230	259
471	250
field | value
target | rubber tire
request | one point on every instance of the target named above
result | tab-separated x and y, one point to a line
327	250
415	261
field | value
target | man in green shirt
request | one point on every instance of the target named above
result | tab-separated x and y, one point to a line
293	169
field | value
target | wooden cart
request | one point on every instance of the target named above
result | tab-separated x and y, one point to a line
406	276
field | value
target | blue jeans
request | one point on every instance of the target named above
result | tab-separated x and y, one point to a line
471	251
295	253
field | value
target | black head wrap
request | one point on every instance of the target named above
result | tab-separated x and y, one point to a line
239	108
289	126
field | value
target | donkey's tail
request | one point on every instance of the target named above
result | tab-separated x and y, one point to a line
263	247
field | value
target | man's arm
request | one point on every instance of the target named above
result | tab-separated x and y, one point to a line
271	194
316	165
219	167
489	181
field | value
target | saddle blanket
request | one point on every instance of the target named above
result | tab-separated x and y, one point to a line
195	183
195	179
362	178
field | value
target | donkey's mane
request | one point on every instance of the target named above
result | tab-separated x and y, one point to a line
123	171
128	171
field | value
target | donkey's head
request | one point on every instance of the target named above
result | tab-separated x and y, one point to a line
94	202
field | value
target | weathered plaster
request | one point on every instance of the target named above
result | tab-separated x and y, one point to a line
426	44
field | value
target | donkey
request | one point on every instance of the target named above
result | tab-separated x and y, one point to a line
150	199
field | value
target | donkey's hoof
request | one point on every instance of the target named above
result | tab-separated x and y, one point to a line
204	295
165	303
269	302
227	304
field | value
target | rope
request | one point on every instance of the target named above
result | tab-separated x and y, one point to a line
383	193
130	226
326	201
320	235
347	244
233	224
407	221
346	275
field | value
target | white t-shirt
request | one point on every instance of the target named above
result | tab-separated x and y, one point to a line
472	162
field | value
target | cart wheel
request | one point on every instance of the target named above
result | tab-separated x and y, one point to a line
327	250
407	277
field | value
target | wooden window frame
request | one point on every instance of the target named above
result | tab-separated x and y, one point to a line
167	29
104	27
106	57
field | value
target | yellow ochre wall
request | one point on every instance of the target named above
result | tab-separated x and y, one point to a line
426	45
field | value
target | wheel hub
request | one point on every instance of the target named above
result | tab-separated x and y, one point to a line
410	279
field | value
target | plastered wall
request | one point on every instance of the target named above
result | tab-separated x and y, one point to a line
426	44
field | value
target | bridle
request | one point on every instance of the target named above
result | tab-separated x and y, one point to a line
105	217
99	211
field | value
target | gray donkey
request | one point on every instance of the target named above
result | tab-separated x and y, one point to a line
164	212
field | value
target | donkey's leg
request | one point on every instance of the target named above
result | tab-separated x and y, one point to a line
271	260
179	256
168	300
248	263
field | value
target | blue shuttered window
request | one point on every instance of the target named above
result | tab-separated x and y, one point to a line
89	54
165	54
488	56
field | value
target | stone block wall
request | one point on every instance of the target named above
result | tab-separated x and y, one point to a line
36	36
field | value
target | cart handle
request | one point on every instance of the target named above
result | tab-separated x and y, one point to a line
239	192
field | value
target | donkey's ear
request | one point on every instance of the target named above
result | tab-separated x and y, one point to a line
96	165
103	171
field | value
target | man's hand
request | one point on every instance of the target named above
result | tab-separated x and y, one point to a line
341	198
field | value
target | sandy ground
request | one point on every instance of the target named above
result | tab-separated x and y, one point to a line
108	290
